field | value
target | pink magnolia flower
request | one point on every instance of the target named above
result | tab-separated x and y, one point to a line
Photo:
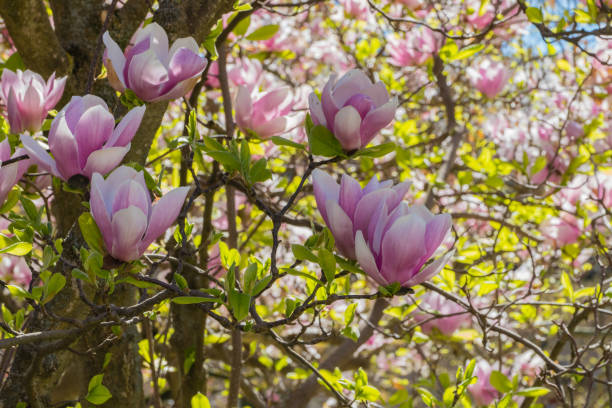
84	140
483	392
490	77
12	173
347	207
356	8
353	109
149	69
266	115
380	243
574	130
434	302
28	98
121	207
481	20
15	269
561	231
247	73
414	49
528	364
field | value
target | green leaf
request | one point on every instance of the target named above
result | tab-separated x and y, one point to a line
53	286
99	395
303	254
281	141
467	51
328	264
15	290
323	142
250	275
263	33
312	278
227	159
91	232
239	303
11	200
500	382
539	164
95	381
30	209
17	248
242	27
261	285
534	15
14	62
533	392
180	281
199	401
376	151
259	172
349	313
190	300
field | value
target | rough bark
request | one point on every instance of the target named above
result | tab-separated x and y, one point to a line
43	377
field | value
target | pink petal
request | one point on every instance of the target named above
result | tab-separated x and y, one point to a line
346	128
39	155
92	130
437	229
325	189
316	110
126	129
128	226
117	60
341	228
377	119
403	247
244	108
99	209
146	75
104	160
163	213
350	194
430	270
366	259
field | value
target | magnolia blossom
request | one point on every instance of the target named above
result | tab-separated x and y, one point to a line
371	226
356	8
414	49
434	302
12	173
121	207
574	130
28	98
561	231
266	115
84	140
149	69
347	207
353	109
15	269
483	392
490	77
395	244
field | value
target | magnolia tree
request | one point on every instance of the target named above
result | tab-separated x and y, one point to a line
363	203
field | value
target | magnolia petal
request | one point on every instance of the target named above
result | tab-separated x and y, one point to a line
131	193
116	57
430	270
325	188
347	124
437	229
353	82
350	194
403	248
341	228
55	90
128	226
147	75
366	259
163	214
94	128
244	108
316	110
377	119
100	209
126	129
39	155
104	160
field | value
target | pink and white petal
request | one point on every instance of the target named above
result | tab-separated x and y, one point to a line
353	82
437	229
5	150
39	155
401	255
367	206
350	194
316	110
327	102
325	188
116	178
116	57
430	270
93	129
378	93
127	128
104	160
55	90
14	116
244	108
100	205
271	128
400	192
31	109
163	214
366	259
131	193
147	75
341	228
186	42
128	227
185	64
377	119
178	91
347	124
9	80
